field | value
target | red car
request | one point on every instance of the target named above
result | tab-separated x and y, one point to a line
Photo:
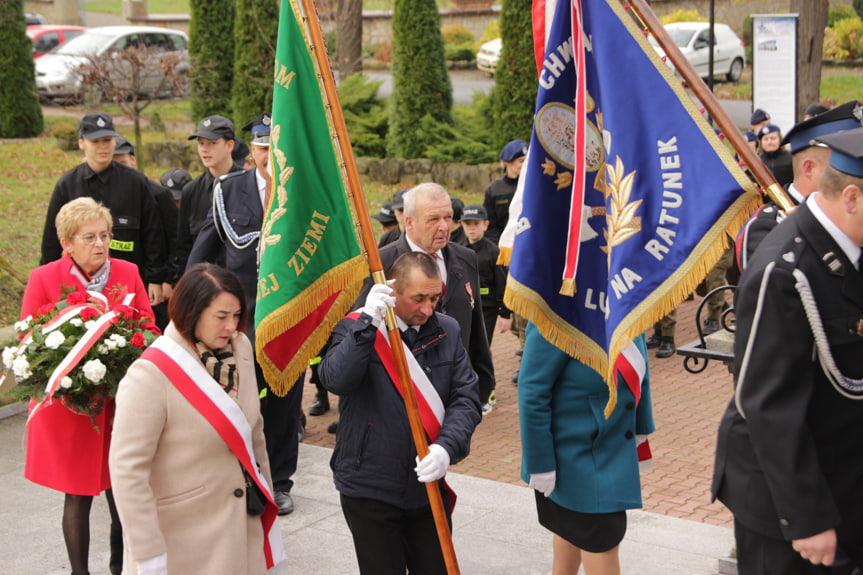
46	37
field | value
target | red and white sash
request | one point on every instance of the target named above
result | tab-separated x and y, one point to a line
632	366
192	380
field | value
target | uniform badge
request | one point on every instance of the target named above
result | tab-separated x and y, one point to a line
469	292
207	122
266	121
788	257
100	122
170	182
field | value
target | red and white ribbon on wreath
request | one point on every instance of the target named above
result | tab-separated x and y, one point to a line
93	334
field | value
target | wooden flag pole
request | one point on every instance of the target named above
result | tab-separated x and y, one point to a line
714	108
376	266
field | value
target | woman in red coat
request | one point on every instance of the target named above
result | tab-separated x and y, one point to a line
64	450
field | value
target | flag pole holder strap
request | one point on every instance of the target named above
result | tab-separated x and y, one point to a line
718	346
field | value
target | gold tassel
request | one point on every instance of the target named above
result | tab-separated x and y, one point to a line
568	287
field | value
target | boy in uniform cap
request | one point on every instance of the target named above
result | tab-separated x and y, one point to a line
124	153
456	234
399	213
788	462
492	277
233	227
758	119
386	217
499	193
775	157
808	160
215	136
174	179
137	229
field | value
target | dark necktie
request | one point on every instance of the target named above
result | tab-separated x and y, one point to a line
409	336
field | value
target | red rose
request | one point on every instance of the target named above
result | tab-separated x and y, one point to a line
89	313
138	340
45	309
76	298
125	311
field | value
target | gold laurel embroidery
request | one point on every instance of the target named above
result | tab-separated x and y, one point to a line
621	221
268	238
563	180
548	167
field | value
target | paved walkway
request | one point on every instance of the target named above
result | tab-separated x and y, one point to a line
495	529
687	409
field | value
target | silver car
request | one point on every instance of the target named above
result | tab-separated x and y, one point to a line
59	73
693	39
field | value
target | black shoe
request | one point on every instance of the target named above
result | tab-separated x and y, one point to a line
333	427
710	326
653	341
666	348
515	376
284	501
320	406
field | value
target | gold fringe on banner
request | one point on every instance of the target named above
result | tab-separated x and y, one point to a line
346	278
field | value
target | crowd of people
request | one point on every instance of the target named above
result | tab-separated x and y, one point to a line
196	456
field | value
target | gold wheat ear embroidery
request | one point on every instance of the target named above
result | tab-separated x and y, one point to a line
622	222
267	237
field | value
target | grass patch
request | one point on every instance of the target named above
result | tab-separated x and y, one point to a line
839	84
153	6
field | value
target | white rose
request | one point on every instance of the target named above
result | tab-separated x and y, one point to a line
21	367
24	324
118	339
111	344
8	356
66	382
55	339
102	349
76	321
89	324
94	370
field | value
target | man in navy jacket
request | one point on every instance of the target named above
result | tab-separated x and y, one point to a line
374	462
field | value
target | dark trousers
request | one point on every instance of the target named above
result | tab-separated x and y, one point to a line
282	422
758	554
389	540
489	316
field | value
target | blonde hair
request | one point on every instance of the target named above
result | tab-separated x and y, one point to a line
78	212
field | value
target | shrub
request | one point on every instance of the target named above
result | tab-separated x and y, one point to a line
492	31
20	112
858	7
211	54
844	41
683	16
365	115
256	27
385	52
459	52
421	84
456	34
840	12
514	93
445	143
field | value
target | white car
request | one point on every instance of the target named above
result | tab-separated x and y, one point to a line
489	54
693	39
57	73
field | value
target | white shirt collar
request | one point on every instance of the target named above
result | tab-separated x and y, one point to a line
848	246
262	186
795	193
403	326
416	248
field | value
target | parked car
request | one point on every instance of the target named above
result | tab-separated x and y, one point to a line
34	19
46	37
489	54
693	39
58	73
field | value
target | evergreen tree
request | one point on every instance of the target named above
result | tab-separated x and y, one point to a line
421	84
514	93
211	51
256	28
20	112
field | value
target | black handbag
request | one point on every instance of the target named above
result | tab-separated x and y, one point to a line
256	501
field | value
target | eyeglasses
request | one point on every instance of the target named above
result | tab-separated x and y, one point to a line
90	239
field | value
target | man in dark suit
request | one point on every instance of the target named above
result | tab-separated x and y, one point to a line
234	224
428	213
789	458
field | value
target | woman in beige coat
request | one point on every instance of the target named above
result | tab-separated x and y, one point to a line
180	489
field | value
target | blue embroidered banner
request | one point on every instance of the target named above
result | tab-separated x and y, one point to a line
660	193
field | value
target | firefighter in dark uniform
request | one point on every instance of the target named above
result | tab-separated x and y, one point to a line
215	136
499	193
789	457
137	230
808	161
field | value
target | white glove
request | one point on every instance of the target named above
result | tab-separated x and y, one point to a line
434	465
157	565
380	297
543	482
